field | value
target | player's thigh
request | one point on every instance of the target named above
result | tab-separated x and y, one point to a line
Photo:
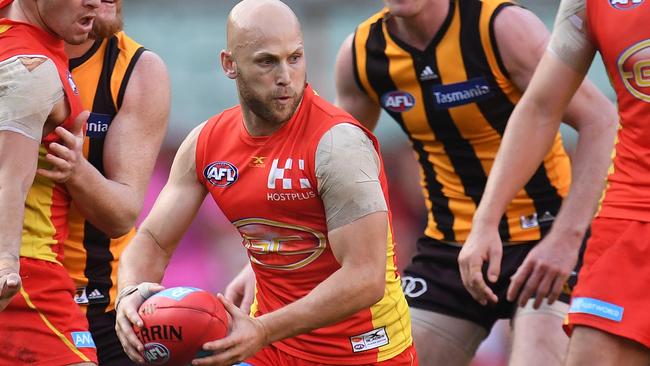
432	282
539	332
590	346
444	340
43	325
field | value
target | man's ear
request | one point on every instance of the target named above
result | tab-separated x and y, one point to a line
228	64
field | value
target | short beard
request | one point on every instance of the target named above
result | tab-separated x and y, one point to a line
263	108
103	29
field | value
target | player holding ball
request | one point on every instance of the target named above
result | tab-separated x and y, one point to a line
303	183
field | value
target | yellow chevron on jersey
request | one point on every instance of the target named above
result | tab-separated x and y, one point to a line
453	100
102	75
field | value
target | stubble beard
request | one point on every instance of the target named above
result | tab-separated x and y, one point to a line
268	110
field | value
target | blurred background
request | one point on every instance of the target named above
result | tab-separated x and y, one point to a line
188	35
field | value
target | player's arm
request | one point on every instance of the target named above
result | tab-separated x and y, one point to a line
535	121
30	88
347	168
18	155
113	202
145	258
348	94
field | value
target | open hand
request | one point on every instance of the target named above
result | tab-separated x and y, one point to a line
247	336
482	245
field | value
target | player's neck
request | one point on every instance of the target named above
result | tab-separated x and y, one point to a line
22	11
419	30
78	50
257	126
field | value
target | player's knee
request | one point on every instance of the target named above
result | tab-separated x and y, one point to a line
443	339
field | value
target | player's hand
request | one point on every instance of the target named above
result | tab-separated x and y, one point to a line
241	290
9	279
483	245
246	337
127	316
65	159
545	270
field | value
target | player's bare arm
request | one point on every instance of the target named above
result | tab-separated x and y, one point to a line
32	103
536	120
357	230
147	255
348	94
112	202
16	177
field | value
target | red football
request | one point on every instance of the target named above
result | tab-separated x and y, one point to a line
177	322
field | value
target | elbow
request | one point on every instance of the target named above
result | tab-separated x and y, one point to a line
116	232
121	225
123	228
378	292
374	289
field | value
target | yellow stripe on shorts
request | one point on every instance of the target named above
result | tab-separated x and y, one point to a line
53	328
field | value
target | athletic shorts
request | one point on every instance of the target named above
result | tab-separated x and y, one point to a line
271	356
432	282
612	291
109	348
42	324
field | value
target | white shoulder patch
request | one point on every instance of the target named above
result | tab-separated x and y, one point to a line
27	97
570	40
347	170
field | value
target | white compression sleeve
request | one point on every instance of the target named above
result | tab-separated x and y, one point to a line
570	40
27	97
347	169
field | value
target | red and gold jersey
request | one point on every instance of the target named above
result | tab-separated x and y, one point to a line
619	30
46	208
267	188
91	257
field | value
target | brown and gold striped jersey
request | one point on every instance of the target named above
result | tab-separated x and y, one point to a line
91	257
453	100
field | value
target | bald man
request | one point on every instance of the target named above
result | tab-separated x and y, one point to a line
304	185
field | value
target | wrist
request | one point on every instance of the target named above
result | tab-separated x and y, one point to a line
568	234
9	261
76	177
9	257
485	219
124	292
266	336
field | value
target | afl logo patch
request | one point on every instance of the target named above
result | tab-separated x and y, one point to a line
625	4
634	67
221	174
156	353
397	101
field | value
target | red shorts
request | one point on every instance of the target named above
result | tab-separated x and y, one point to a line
612	291
271	356
42	324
